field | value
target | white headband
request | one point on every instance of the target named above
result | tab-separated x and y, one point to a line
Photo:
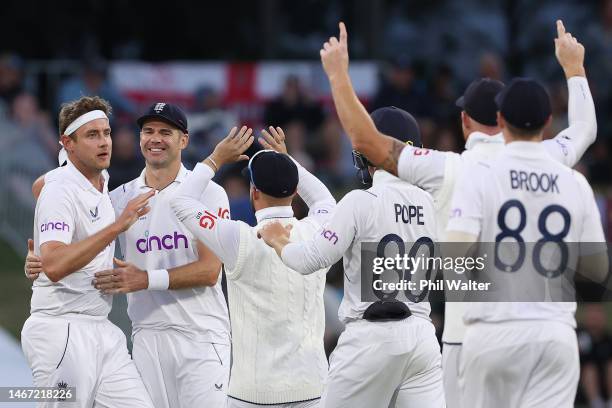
83	119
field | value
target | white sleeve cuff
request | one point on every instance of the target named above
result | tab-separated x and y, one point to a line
159	279
403	163
578	79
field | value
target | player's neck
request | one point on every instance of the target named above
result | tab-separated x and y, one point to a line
271	202
487	130
161	177
93	175
509	138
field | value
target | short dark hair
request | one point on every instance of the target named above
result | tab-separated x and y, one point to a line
72	110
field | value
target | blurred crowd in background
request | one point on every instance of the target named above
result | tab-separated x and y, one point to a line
427	53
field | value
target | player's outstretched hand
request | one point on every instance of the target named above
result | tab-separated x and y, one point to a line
231	149
334	54
569	52
125	278
273	140
136	208
33	265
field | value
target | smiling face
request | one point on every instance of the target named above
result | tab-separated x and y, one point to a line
91	145
161	143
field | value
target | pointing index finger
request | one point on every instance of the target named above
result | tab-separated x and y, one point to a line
343	34
560	29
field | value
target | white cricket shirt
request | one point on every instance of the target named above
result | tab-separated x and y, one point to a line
70	209
439	172
366	216
158	240
524	191
277	315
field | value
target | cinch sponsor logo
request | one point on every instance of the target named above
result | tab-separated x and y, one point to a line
155	243
59	226
330	236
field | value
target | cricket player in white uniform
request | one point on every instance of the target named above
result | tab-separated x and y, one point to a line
277	315
180	323
388	355
68	340
523	354
438	172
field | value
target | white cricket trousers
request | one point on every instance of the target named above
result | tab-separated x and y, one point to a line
525	364
88	353
180	372
386	364
451	353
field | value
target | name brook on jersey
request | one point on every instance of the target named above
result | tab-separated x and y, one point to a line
531	181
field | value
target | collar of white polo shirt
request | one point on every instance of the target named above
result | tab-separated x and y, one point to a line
142	182
478	137
273	213
82	181
526	149
383	177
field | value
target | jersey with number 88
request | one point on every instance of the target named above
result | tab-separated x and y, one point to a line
528	200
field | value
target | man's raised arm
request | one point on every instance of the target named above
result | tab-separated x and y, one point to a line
381	150
221	236
571	143
315	194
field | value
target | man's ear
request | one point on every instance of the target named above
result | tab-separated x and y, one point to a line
465	120
500	121
183	140
67	142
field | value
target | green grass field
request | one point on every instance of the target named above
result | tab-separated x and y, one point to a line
15	291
